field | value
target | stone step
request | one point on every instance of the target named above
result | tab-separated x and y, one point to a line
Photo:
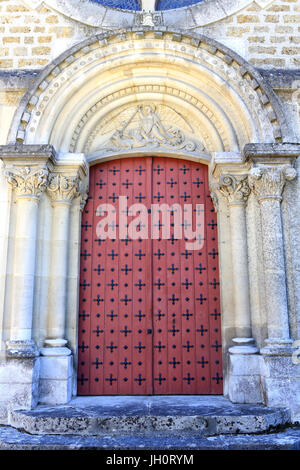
99	416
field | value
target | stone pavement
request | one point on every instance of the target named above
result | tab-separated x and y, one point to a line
12	439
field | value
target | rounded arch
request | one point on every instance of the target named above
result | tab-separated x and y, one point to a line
205	97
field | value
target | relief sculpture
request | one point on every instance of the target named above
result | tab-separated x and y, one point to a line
147	125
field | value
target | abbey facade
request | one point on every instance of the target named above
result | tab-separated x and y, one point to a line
190	104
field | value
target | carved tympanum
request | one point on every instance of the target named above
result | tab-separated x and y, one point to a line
145	126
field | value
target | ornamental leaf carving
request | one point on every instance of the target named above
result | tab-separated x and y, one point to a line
234	188
269	182
63	188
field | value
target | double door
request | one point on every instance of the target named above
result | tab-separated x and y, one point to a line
149	315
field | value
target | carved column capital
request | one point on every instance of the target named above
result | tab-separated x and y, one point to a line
234	188
269	182
63	188
27	181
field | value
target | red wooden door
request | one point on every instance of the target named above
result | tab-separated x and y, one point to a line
149	320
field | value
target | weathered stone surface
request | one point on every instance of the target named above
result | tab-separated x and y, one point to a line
17	79
288	150
25	151
18	385
12	439
245	389
55	392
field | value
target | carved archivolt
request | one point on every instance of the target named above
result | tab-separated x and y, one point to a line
255	94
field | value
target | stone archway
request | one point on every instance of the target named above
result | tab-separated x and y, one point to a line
225	95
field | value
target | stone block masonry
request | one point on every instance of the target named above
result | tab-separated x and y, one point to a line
30	39
267	37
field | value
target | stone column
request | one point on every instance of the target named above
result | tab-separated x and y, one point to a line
268	183
28	183
26	169
272	170
244	369
62	190
236	191
65	184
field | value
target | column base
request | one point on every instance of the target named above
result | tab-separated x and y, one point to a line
243	346
244	383
56	374
19	384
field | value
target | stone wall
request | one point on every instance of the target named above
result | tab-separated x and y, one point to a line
31	39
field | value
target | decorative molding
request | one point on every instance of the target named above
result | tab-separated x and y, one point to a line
286	150
234	188
63	188
269	182
27	181
197	47
263	3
